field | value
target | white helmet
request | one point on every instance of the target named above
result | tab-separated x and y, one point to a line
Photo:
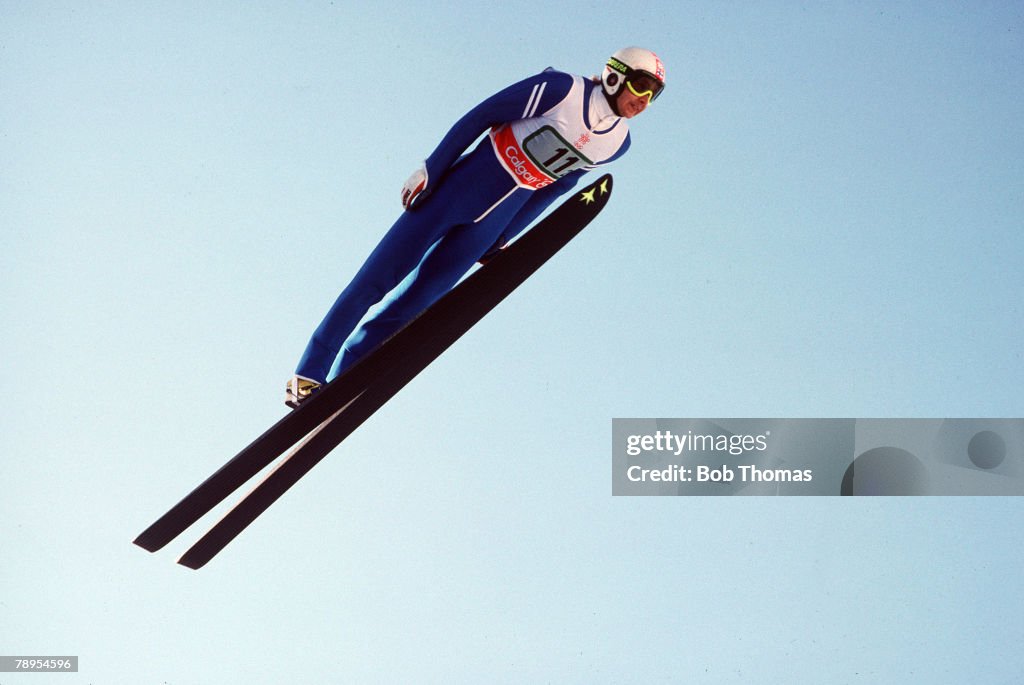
629	64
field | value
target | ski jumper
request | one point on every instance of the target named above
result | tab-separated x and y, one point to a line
543	134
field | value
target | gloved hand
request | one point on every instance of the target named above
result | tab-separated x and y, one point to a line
414	188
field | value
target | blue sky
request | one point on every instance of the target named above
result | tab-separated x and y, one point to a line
820	217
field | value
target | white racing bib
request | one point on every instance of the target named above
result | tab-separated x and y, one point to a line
538	151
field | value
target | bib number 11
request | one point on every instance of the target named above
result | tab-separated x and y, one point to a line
552	153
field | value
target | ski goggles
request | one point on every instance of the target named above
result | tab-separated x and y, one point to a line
642	84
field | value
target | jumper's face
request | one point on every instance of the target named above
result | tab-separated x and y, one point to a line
629	105
640	91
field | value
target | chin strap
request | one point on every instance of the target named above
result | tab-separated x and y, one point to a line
613	101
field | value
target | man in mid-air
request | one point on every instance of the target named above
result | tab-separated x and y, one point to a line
544	133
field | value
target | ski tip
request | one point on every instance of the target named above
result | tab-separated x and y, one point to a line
596	192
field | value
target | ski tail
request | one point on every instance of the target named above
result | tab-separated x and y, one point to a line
254	458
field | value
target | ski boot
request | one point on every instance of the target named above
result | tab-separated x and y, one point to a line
298	390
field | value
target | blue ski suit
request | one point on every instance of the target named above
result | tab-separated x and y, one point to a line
544	133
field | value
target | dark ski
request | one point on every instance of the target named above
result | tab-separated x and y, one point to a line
348	401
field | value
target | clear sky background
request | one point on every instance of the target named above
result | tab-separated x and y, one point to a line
821	217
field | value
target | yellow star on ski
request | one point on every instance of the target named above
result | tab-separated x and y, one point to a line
588	196
604	186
